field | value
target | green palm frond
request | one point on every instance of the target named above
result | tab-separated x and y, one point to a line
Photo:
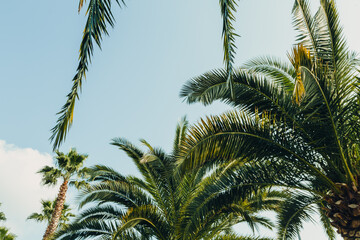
252	91
325	222
99	16
149	217
228	8
180	133
297	209
50	175
305	24
281	73
238	134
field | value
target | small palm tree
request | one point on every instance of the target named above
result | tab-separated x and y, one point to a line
167	203
47	211
6	235
299	122
4	232
2	216
67	165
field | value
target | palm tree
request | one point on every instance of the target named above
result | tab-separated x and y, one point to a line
4	232
298	122
67	165
2	216
167	203
47	211
99	16
6	235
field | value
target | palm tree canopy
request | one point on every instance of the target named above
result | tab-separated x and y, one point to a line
47	210
6	235
2	216
66	165
167	203
302	116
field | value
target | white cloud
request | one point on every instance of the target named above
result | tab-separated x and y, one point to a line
21	190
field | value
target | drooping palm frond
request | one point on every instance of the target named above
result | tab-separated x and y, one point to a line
228	8
99	16
293	212
253	92
325	222
281	73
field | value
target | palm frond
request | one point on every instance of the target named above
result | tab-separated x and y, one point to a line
237	135
293	212
149	217
325	222
305	23
281	73
99	16
228	8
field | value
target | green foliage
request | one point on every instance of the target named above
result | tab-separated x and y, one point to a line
66	165
47	210
4	232
99	15
2	216
299	119
228	8
167	202
6	235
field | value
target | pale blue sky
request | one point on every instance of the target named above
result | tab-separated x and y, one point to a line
133	84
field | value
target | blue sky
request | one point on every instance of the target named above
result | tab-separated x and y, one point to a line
132	86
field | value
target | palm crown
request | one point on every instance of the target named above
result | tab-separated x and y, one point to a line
298	119
167	203
47	211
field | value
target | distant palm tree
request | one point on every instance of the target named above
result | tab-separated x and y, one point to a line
2	216
4	232
298	121
6	235
67	165
47	211
99	15
167	203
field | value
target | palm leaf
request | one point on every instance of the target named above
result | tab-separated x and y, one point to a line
99	16
228	8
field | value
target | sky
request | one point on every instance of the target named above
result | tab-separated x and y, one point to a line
132	87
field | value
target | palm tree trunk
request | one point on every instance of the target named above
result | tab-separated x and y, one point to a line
60	200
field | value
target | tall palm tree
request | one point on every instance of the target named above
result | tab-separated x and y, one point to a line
167	203
47	211
99	16
6	235
299	121
67	165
